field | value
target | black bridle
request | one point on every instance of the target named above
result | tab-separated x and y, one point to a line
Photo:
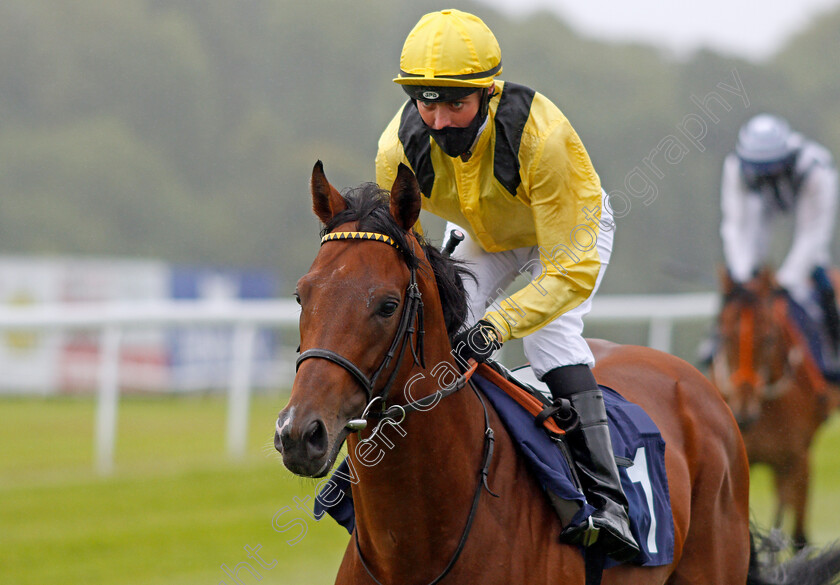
411	321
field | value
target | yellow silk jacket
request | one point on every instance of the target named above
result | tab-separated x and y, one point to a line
529	182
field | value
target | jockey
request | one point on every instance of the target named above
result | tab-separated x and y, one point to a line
501	163
775	171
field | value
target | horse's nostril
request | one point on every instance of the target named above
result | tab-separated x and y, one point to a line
316	439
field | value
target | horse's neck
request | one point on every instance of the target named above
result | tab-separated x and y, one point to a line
440	431
423	472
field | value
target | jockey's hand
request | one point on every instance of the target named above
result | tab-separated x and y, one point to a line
478	342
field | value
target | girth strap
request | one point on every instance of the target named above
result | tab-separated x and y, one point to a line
594	558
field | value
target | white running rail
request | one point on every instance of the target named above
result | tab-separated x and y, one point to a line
661	312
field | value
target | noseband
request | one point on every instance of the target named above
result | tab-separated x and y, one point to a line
411	320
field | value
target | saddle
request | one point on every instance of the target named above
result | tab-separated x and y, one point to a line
821	350
519	399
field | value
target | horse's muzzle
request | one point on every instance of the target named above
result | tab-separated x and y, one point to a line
304	446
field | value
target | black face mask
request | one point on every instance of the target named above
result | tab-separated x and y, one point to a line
457	141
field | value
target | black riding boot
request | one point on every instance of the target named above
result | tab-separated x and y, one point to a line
592	451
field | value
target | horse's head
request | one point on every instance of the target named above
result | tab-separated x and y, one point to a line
753	352
361	323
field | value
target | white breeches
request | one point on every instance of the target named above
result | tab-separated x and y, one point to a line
559	342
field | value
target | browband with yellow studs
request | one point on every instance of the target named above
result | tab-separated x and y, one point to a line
359	236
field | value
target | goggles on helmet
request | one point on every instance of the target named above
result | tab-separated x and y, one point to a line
427	93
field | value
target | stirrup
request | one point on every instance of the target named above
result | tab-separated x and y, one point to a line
590	533
584	535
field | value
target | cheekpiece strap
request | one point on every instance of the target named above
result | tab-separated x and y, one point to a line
359	236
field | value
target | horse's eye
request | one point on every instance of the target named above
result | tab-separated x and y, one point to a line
297	298
388	308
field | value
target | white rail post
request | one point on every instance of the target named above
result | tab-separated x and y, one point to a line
660	333
239	394
109	389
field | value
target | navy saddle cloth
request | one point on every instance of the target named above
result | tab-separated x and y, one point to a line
640	454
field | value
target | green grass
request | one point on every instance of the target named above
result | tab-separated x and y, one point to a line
823	521
177	508
174	511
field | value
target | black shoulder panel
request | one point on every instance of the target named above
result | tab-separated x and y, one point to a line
511	117
415	138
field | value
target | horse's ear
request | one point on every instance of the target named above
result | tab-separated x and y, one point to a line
727	284
405	198
326	200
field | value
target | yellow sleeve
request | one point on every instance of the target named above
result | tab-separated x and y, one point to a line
565	197
389	154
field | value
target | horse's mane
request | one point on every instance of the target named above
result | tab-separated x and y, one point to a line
368	205
746	293
740	294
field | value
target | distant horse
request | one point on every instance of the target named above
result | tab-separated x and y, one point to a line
378	309
771	382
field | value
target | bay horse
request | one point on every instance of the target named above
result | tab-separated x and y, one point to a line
768	377
443	496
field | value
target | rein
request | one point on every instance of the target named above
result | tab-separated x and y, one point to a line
398	412
489	441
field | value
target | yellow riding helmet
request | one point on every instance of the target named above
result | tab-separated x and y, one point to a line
450	49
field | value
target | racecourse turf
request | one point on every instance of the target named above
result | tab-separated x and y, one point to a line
176	509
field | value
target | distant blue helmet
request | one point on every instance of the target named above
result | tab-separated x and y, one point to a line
766	144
